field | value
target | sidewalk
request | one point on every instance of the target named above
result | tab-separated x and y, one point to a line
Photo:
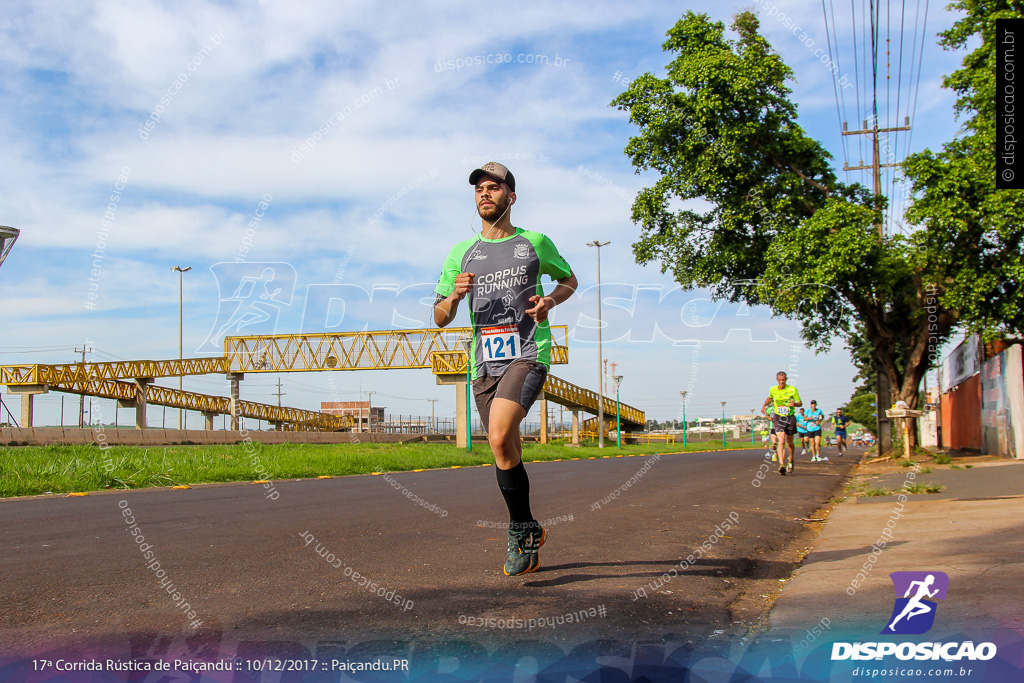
973	530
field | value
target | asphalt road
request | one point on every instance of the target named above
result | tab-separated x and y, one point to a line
280	567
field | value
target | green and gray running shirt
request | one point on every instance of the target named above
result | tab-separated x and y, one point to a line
506	274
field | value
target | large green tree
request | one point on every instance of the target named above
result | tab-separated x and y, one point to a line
974	231
773	224
861	407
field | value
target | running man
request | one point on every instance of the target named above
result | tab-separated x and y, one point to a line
498	272
785	398
840	422
815	417
915	606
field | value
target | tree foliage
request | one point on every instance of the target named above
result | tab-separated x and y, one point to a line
861	407
747	205
974	231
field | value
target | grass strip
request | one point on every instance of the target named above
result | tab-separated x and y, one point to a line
33	470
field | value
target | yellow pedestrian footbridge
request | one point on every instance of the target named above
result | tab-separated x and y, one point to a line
132	382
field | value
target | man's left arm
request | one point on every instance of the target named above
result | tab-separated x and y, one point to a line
542	305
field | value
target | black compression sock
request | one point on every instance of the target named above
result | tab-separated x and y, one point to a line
515	487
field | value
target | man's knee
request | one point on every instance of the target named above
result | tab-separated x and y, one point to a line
498	441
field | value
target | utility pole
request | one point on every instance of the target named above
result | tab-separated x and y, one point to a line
279	393
369	410
876	164
433	420
883	393
81	399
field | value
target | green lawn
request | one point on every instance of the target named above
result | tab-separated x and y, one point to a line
31	470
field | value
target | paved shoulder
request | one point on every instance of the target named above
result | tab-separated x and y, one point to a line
972	530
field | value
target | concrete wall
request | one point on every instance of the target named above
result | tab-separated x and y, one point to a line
928	430
1002	404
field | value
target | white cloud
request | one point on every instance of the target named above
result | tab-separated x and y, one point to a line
377	197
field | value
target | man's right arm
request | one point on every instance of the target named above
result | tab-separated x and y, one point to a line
445	308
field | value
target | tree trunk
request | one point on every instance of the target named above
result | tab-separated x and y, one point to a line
905	382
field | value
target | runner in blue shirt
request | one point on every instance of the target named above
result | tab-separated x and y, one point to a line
801	430
814	419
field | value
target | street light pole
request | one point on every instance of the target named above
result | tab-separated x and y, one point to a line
181	303
618	423
467	345
752	426
600	352
683	394
723	424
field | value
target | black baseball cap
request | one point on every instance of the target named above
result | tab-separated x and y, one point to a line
497	171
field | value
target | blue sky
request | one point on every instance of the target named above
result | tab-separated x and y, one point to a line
140	135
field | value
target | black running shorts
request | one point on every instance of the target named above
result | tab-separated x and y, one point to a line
521	382
784	425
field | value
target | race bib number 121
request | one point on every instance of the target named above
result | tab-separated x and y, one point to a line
500	343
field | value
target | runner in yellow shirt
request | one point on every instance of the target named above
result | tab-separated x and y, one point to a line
785	399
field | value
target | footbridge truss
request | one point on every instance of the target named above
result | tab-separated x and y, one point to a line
131	382
556	390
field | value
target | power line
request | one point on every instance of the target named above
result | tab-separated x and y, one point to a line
836	90
856	75
920	60
899	93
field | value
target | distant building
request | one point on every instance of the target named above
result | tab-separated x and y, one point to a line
366	416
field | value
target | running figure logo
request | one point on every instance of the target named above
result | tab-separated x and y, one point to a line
914	612
251	298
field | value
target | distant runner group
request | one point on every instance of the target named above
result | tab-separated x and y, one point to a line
784	408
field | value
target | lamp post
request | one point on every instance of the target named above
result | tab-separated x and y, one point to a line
181	299
683	394
752	426
723	424
467	344
600	353
8	236
618	423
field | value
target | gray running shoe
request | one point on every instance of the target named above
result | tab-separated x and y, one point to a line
523	545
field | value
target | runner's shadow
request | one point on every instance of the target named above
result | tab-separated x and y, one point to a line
741	567
835	555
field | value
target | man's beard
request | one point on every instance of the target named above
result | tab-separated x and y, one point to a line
493	213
